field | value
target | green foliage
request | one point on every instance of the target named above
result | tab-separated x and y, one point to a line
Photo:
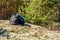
40	11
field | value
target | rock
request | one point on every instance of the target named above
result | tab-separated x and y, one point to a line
8	28
18	32
3	32
12	35
3	38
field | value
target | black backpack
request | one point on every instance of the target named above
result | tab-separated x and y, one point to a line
17	19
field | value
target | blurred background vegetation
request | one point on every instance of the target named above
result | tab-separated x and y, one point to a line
40	12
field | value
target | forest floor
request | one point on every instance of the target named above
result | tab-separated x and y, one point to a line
18	32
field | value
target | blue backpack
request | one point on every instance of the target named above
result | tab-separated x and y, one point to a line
17	19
